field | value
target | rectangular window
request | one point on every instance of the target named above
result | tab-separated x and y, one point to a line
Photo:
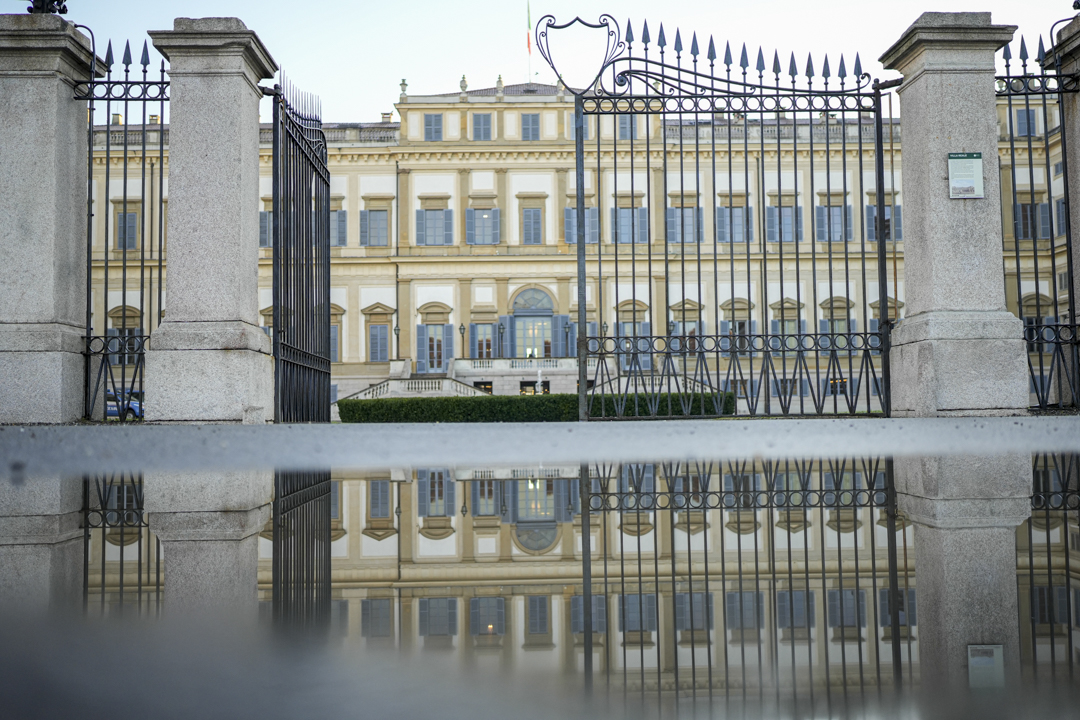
378	343
538	614
1031	221
484	385
745	610
481	126
1059	212
1049	605
592	225
438	616
794	609
486	497
482	226
434	227
528	387
536	499
432	127
483	340
530	126
906	615
435	492
833	223
1058	169
380	498
843	611
533	336
1025	123
627	127
532	228
127	231
637	613
783	224
1063	282
693	611
339	228
487	616
376	618
599	614
335	342
893	227
684	225
735	224
743	489
374	228
630	225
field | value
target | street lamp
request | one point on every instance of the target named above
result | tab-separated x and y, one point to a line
397	343
461	329
502	329
603	329
566	341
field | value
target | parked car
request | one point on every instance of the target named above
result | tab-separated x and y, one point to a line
129	407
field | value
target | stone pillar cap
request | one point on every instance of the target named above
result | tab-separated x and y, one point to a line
946	29
35	42
193	35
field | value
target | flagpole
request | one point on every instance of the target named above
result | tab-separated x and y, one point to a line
528	39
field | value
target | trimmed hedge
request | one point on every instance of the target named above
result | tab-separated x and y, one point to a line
507	408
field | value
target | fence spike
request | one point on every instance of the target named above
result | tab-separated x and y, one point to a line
842	70
776	63
127	54
645	34
629	32
727	54
109	57
1023	50
693	46
793	69
712	50
1042	51
678	41
809	66
743	61
661	41
858	66
145	60
825	68
760	66
1007	52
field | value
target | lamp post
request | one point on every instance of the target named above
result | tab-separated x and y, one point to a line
566	341
461	329
502	329
397	343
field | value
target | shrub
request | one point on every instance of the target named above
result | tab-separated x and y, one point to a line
513	408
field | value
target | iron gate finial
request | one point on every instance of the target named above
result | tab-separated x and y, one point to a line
48	7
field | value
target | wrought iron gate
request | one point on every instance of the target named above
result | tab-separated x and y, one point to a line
1040	279
301	338
809	589
733	228
125	229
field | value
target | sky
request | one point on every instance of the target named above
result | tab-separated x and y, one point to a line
354	54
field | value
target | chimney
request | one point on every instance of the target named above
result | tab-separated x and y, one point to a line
388	117
155	120
117	119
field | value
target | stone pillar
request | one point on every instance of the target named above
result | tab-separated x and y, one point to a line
209	530
959	350
41	545
965	511
405	321
209	361
43	206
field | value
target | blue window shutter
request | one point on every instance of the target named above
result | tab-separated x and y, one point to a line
424	615
912	619
1022	128
507	349
448	346
364	227
749	223
509	499
824	342
1044	221
449	485
848	227
723	224
474	616
422	491
649	612
834	608
570	224
448	227
334	332
700	231
772	230
558	335
774	327
132	231
862	608
671	235
883	608
342	227
496	226
421	349
470	226
563	511
804	387
616	236
874	340
897	226
384	343
725	338
451	615
264	228
821	224
474	497
799	223
577	614
645	347
871	226
599	613
682	611
641	226
420	235
474	344
592	225
784	609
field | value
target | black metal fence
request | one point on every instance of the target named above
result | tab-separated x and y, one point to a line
301	242
121	557
1036	226
734	227
807	584
1048	568
125	231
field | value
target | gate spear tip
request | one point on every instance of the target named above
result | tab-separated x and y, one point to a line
678	41
645	33
661	41
760	67
776	63
793	69
694	46
825	68
809	66
629	32
1042	51
727	54
1007	52
127	54
712	49
145	60
109	57
743	61
842	71
1023	49
858	66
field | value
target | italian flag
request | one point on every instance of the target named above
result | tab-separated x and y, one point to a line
528	35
